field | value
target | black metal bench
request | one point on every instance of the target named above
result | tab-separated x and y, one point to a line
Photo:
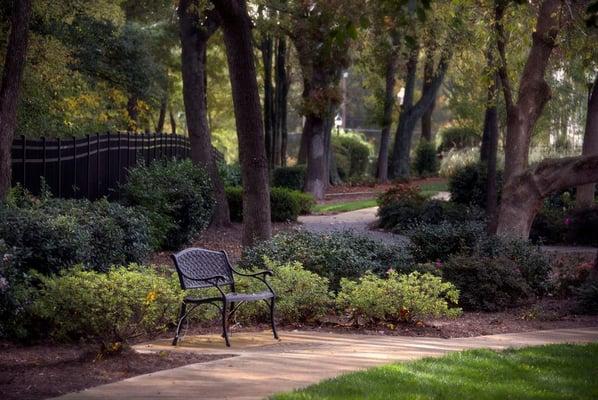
202	269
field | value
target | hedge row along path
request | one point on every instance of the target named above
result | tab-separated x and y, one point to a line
264	367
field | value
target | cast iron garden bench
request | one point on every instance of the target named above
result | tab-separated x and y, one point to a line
203	269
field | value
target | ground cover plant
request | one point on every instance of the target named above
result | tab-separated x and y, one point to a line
285	204
546	372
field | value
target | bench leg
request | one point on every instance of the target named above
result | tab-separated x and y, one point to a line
182	316
225	323
272	318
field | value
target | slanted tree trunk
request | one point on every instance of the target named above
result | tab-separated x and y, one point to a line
133	113
585	194
10	86
411	113
525	187
236	26
172	120
194	39
392	65
162	115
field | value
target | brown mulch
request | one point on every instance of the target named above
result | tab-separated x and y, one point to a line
43	371
377	188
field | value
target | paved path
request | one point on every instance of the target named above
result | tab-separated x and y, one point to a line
264	367
359	221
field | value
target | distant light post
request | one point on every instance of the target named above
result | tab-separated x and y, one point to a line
401	96
338	122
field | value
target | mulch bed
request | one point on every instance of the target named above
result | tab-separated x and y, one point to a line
43	371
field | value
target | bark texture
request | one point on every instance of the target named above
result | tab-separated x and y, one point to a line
426	120
280	102
392	66
10	86
236	26
585	194
194	39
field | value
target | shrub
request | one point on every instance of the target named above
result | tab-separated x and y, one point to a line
587	296
468	185
289	177
485	283
569	273
109	308
458	137
49	234
399	192
230	174
398	298
431	242
549	226
426	161
301	295
333	256
582	227
453	160
177	197
351	156
285	204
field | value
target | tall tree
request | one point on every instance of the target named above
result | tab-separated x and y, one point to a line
584	196
281	102
195	30
236	27
14	63
426	121
525	186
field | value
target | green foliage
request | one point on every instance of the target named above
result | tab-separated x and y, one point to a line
485	283
49	234
351	156
399	192
559	223
397	298
285	204
432	242
426	161
454	160
289	177
108	308
176	196
230	174
468	185
587	296
333	256
301	296
582	227
458	137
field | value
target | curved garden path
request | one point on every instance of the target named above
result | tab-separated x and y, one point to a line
263	366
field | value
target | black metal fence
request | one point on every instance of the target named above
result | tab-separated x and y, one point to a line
89	167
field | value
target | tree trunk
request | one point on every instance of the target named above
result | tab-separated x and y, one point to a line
392	66
133	113
162	115
172	120
194	40
316	178
267	49
410	114
236	26
527	189
489	150
585	194
281	96
426	120
14	64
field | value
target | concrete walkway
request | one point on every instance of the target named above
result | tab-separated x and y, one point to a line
263	366
359	221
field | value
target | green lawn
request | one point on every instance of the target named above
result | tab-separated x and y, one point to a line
539	373
428	190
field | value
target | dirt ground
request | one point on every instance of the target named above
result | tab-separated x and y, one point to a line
43	371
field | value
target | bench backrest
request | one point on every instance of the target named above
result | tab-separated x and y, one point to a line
196	263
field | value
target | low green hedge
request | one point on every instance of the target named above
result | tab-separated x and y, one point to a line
289	177
285	204
468	185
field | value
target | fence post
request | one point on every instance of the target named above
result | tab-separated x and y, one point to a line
74	141
59	168
108	182
155	145
97	165
88	177
119	166
24	146
44	158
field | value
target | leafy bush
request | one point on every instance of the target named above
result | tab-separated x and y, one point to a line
230	174
568	274
285	204
468	185
426	161
334	256
485	283
458	137
454	159
582	227
399	192
109	308
49	234
301	295
351	155
549	226
587	296
398	298
289	177
177	197
431	242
